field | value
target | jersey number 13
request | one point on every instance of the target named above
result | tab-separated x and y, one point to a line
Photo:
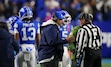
28	34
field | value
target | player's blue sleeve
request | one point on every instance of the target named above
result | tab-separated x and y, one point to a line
37	27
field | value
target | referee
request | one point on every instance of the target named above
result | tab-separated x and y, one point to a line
89	42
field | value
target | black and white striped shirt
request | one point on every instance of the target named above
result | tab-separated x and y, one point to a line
89	36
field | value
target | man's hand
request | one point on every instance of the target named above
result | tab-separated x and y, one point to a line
70	39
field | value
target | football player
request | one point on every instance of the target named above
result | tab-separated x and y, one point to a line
28	32
10	23
65	29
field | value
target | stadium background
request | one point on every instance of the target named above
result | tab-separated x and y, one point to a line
101	10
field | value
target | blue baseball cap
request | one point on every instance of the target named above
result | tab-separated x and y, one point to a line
58	15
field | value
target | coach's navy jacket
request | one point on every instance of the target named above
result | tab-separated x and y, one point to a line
7	47
51	45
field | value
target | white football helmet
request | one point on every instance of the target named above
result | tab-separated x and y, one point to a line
25	12
67	17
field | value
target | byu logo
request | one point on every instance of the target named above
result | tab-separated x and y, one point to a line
28	49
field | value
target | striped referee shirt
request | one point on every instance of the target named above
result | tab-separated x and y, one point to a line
89	36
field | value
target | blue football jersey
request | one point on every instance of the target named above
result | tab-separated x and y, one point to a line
27	31
65	31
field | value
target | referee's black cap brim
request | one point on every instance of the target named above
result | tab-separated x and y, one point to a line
80	16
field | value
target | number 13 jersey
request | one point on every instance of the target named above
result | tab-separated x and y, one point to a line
27	31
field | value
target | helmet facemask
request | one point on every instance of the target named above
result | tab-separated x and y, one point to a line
67	20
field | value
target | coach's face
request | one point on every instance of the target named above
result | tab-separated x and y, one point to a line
59	22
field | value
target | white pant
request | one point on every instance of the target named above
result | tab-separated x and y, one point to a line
66	59
27	55
15	62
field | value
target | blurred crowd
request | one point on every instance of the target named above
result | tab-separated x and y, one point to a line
11	7
43	9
